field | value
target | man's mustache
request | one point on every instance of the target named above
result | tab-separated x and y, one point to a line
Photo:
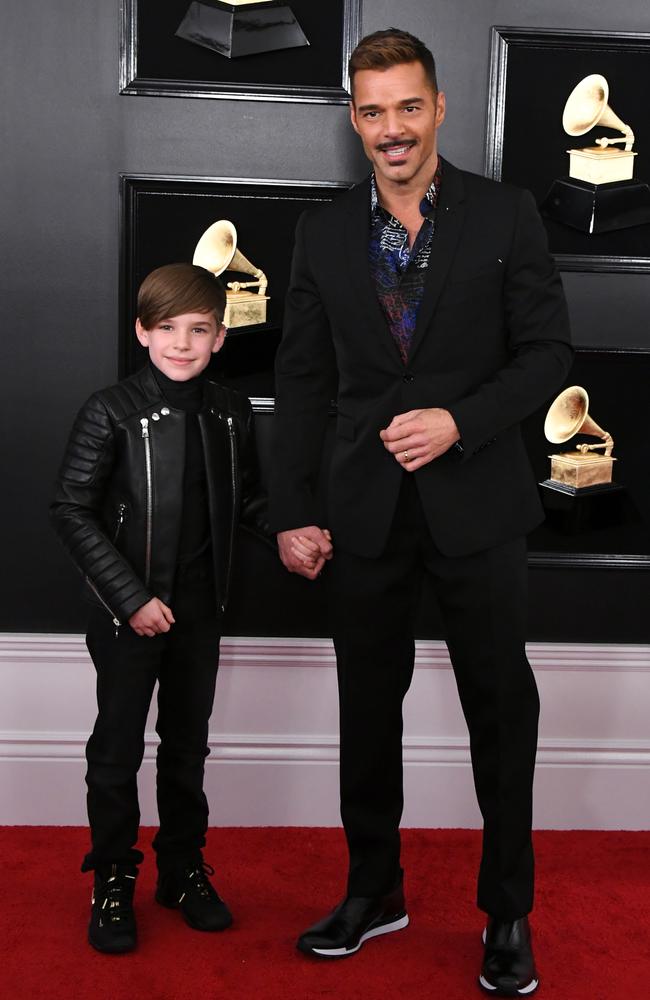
383	146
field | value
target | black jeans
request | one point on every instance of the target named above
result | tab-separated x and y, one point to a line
482	598
184	662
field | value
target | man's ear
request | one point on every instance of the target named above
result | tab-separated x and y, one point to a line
441	105
353	117
141	333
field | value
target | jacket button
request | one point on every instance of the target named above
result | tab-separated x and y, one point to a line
408	377
165	411
155	416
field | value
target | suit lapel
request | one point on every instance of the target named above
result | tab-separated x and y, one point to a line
357	236
450	216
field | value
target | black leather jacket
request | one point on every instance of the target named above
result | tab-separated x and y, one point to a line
118	500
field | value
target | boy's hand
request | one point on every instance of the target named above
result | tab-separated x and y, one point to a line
305	550
152	618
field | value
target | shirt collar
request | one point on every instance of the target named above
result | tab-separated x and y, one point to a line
427	205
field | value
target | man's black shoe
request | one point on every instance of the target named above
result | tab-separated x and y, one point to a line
354	921
508	965
190	891
112	921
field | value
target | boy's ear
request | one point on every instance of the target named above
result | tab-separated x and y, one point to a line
221	336
141	333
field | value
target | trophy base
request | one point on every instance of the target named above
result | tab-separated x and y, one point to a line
235	31
244	309
597	208
572	510
578	471
601	166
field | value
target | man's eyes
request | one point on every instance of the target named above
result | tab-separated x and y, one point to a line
371	115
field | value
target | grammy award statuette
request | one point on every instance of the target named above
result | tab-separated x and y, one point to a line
235	28
600	193
217	251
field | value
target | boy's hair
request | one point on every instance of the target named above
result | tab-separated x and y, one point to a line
175	289
391	47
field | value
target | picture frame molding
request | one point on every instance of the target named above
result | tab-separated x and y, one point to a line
130	83
501	38
128	182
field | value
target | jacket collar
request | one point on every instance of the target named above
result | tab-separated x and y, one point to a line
450	217
145	380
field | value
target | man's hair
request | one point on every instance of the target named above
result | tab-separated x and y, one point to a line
391	47
175	289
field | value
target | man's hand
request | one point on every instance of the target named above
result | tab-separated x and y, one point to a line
305	550
417	437
152	618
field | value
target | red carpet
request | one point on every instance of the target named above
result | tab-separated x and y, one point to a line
592	921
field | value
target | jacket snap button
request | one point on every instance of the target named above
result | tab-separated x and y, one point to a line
165	411
155	416
408	377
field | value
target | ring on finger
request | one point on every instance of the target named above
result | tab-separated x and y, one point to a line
406	456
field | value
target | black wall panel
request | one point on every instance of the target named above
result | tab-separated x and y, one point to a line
70	135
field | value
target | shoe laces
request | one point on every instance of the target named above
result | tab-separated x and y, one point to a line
118	897
197	880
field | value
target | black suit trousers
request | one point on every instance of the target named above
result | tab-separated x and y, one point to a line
482	598
184	662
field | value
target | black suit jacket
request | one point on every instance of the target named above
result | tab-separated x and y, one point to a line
491	345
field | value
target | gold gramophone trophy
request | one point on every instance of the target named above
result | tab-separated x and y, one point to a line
600	194
583	468
217	252
236	28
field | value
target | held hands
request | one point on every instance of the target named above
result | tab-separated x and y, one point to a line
417	437
305	550
152	618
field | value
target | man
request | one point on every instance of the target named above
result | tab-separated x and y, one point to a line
424	300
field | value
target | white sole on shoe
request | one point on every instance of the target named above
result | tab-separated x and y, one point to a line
394	925
524	991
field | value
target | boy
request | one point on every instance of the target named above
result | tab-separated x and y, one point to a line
158	471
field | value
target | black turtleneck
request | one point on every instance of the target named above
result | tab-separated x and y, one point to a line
194	580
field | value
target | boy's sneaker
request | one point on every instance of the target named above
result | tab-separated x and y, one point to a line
112	921
189	890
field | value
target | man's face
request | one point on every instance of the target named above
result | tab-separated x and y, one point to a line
181	346
397	114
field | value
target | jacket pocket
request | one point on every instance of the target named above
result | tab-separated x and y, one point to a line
345	427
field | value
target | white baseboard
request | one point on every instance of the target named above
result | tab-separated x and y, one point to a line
274	749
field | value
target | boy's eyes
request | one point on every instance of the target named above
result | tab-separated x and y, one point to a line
195	329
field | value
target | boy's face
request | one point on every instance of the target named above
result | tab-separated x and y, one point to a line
181	346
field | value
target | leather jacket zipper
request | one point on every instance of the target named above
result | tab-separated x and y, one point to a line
116	620
149	512
233	525
120	521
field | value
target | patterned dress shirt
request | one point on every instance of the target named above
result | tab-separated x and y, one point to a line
398	271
